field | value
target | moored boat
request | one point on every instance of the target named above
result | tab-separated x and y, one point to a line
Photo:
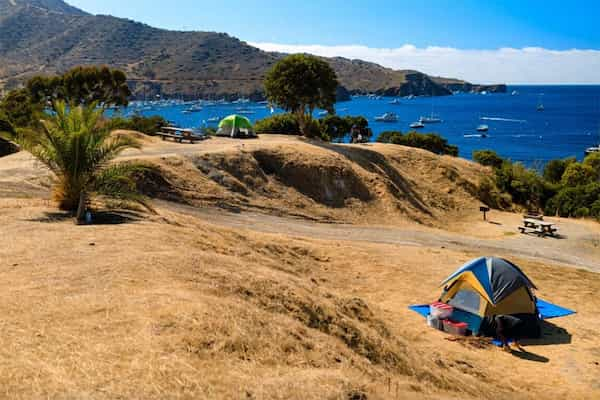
387	117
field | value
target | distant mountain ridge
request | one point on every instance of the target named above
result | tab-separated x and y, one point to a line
50	36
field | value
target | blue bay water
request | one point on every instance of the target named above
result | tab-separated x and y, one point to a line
569	124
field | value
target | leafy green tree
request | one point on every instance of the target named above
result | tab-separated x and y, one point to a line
5	125
578	174
81	86
595	209
335	126
555	169
488	158
300	84
19	111
78	149
593	161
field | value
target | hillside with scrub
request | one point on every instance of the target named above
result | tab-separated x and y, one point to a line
49	37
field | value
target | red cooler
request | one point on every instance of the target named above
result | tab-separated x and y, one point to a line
455	328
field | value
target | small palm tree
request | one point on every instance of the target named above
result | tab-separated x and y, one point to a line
78	149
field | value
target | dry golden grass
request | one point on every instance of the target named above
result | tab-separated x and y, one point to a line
171	306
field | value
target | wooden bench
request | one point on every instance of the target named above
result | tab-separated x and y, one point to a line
179	135
538	217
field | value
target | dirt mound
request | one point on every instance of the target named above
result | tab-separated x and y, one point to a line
379	184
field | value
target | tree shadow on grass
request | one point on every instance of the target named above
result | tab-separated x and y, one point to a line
111	217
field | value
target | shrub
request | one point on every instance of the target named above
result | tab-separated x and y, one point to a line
489	194
525	186
139	123
578	174
593	161
5	125
284	124
569	199
389	137
427	141
336	127
488	158
555	169
582	212
595	209
19	111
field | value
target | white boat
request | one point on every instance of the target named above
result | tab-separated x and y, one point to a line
323	113
193	109
483	128
395	102
591	150
514	93
481	135
432	119
417	125
214	119
387	117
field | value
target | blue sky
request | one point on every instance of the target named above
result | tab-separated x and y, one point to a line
469	24
375	27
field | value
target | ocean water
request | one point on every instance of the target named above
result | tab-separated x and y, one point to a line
569	124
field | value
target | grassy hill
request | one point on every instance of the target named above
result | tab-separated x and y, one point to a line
49	36
234	290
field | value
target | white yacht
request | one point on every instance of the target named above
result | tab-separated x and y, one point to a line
417	125
432	119
395	102
591	150
387	117
483	128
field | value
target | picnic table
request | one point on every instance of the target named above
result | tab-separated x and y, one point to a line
179	134
540	227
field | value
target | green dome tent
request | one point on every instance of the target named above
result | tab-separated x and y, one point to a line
235	126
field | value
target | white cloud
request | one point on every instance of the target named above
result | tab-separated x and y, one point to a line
505	65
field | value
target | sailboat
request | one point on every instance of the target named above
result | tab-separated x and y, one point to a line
431	119
540	106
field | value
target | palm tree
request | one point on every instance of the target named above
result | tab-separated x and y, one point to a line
78	149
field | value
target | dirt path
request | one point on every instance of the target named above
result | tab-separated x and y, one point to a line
567	251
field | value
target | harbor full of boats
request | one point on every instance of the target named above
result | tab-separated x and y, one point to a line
509	123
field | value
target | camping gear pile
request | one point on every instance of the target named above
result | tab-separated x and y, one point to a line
479	291
236	126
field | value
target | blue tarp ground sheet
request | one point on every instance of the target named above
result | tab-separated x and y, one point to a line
547	311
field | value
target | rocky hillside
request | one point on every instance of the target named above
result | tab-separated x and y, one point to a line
49	36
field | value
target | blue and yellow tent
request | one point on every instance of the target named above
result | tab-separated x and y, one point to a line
490	286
